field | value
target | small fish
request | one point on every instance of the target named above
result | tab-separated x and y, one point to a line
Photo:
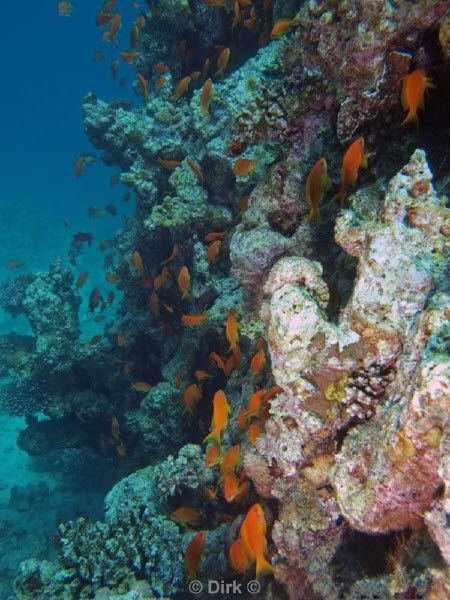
213	251
206	67
143	83
237	15
140	21
120	449
178	376
126	197
79	166
135	38
108	5
115	429
257	363
193	555
160	280
231	487
138	263
121	341
167	307
253	537
212	457
153	302
65	9
160	82
181	88
111	208
168	164
160	68
181	49
185	515
232	329
114	67
80	417
209	493
81	280
238	557
201	375
191	396
112	277
81	236
316	182
196	169
282	27
205	95
243	167
172	256
114	180
114	26
140	386
195	75
14	264
66	223
353	159
243	205
105	244
222	61
127	367
95	339
254	431
184	282
129	56
195	320
211	237
214	357
230	462
94	299
102	18
219	421
99	56
122	81
414	86
242	420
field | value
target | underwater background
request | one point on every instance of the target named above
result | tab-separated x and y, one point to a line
224	300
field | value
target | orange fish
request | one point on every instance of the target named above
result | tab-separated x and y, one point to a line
99	56
105	244
181	88
253	537
114	26
121	341
172	256
274	391
315	184
80	417
230	462
115	429
209	493
211	237
102	18
184	282
65	8
114	67
201	375
206	67
191	396
185	515
243	205
129	56
143	83
112	277
257	362
193	555
168	164
238	557
254	403
195	75
161	279
122	81
220	417
67	224
140	21
242	420
81	280
237	14
94	299
181	49
138	262
140	386
243	167
159	83
282	27
195	169
218	360
213	251
194	320
153	302
413	91
242	492
95	339
79	166
231	488
127	367
160	68
353	159
222	61
212	456
204	96
167	307
120	449
178	378
108	5
135	38
255	429
232	329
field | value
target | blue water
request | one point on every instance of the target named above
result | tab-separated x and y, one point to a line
47	69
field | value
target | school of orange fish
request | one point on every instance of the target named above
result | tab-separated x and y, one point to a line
250	548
